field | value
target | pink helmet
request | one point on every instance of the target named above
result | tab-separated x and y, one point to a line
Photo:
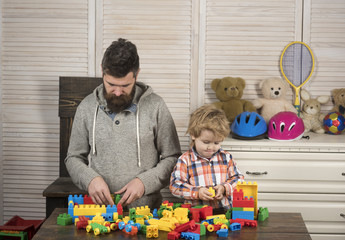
285	126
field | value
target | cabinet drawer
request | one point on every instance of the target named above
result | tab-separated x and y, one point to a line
293	172
320	212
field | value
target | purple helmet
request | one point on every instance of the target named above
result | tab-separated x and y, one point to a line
285	126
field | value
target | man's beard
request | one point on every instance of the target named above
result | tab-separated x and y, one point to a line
117	104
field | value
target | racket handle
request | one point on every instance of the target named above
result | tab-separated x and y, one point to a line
298	108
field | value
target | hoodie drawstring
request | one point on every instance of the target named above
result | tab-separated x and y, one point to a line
93	132
138	136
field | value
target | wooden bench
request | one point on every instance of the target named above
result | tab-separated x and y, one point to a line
72	90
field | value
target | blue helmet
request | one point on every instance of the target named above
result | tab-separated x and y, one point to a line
249	125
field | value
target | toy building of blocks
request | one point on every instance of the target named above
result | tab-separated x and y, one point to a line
18	224
242	206
64	219
251	190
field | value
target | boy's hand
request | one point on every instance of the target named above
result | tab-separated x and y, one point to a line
205	195
220	190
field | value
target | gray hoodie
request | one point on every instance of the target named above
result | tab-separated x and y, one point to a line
142	143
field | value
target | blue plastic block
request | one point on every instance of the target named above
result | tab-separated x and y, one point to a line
235	226
243	214
222	233
190	236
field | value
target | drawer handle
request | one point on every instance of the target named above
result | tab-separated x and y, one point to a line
343	174
342	215
257	173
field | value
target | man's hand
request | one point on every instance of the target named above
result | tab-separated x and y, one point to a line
220	189
99	192
205	195
133	190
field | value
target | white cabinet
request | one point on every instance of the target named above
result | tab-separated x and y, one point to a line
306	176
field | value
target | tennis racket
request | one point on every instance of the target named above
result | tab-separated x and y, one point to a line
297	65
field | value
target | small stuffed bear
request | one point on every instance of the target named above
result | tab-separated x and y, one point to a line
229	91
311	115
339	100
274	92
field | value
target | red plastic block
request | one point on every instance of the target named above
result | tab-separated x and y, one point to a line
187	205
205	212
17	223
119	209
244	203
195	214
173	235
82	223
237	194
88	200
245	222
185	227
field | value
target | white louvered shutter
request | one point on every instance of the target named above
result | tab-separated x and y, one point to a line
41	40
324	30
245	39
162	32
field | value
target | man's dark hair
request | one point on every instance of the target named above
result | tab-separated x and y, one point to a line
120	58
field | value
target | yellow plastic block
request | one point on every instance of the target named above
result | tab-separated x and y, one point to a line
98	219
126	219
152	231
167	213
181	214
250	190
115	216
140	220
88	210
142	210
248	209
162	225
222	216
211	190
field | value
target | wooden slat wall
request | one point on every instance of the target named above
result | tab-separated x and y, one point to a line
325	32
162	32
41	40
245	39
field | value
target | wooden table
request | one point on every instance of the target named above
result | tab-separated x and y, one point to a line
278	226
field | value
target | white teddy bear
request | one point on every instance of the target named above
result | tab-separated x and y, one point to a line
274	92
311	112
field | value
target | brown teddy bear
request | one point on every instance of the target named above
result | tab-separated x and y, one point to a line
339	100
274	91
311	112
229	91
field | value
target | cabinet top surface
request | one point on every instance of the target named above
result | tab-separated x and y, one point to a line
315	143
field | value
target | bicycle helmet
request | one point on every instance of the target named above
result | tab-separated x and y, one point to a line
285	126
249	126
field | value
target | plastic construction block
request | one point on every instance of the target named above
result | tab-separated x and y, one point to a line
14	235
212	191
205	212
181	214
190	236
245	222
88	210
17	223
235	226
88	200
186	205
243	215
185	227
81	222
223	233
173	235
143	210
119	209
195	214
152	231
64	219
79	199
263	214
238	194
243	203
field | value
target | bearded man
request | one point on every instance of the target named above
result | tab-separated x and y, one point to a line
123	139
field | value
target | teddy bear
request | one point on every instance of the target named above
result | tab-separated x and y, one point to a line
274	91
229	91
311	112
338	96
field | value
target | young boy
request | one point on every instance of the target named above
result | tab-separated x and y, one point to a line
206	164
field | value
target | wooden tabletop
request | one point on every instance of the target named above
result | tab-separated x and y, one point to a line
278	226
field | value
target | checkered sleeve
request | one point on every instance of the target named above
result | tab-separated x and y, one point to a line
179	181
233	176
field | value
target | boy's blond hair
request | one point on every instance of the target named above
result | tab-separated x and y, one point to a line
208	117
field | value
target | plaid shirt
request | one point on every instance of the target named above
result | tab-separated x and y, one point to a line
193	171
